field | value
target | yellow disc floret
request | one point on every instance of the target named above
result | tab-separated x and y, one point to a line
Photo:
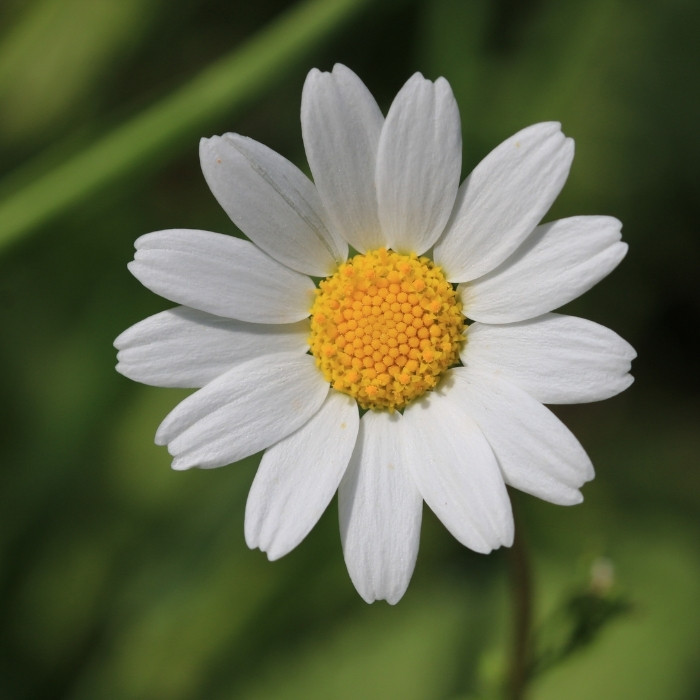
384	327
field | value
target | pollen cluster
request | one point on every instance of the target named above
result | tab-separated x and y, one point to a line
384	327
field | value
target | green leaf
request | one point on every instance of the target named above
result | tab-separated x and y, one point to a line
147	138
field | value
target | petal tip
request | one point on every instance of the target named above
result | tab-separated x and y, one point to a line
179	464
142	241
369	598
576	498
208	146
508	532
416	78
551	127
273	553
161	437
443	83
250	531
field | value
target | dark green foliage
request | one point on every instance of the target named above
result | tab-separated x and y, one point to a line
121	579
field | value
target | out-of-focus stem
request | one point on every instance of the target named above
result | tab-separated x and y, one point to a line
148	137
521	587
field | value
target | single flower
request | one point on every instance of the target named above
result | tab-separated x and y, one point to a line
417	368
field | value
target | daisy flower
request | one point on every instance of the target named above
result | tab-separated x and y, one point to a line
384	332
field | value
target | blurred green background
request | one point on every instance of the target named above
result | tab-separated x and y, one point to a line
122	579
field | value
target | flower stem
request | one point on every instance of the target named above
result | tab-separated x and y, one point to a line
521	587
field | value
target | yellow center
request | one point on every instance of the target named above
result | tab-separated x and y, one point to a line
384	327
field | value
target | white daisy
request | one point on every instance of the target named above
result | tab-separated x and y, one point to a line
417	369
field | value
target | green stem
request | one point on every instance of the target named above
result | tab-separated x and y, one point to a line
521	586
219	89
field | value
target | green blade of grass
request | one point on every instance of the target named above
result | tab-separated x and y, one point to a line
220	88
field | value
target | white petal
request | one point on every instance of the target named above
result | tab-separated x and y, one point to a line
537	453
341	123
554	358
221	275
298	476
456	472
557	263
272	202
418	164
503	199
251	407
183	347
380	511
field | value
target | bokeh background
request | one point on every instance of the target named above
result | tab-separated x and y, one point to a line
121	579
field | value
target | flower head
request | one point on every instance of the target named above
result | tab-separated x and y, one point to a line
417	368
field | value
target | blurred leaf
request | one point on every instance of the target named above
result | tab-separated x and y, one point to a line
651	655
145	140
577	622
47	65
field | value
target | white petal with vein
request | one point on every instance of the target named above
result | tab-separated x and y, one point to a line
186	348
456	471
299	475
554	358
251	407
503	200
380	511
418	164
221	275
272	202
341	123
536	452
557	263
